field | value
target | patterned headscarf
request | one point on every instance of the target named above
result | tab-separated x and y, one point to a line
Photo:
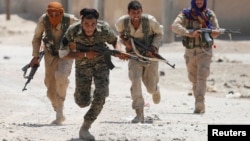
200	12
55	12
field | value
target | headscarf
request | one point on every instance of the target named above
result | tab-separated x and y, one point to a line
55	12
199	12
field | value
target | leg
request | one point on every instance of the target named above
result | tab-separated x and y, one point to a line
203	72
61	76
135	74
83	76
192	71
150	78
101	80
51	64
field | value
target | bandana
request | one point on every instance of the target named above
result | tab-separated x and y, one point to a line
55	12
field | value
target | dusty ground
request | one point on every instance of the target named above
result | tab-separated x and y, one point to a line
25	116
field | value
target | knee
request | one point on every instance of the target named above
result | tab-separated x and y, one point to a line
82	101
82	104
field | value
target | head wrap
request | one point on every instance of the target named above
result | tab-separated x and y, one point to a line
194	6
89	13
55	12
201	12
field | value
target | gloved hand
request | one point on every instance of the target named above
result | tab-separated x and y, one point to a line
34	61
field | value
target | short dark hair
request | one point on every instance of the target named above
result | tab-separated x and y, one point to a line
89	13
135	5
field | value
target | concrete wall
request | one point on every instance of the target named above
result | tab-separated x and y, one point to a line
231	14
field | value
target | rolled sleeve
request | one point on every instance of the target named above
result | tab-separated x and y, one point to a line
119	25
178	26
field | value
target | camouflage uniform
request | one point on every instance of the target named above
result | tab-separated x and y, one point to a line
57	70
197	55
138	71
91	69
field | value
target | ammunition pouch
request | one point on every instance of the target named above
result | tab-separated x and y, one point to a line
188	42
49	44
206	41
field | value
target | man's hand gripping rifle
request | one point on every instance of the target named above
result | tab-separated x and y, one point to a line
107	53
156	56
32	71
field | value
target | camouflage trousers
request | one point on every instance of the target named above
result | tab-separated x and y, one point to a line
91	69
138	73
198	66
56	79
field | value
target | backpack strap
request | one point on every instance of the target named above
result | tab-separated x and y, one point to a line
65	22
145	29
126	28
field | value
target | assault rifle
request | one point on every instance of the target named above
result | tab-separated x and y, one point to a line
107	53
157	56
207	31
32	71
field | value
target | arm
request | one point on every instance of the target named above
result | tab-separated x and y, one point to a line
179	27
68	47
37	37
37	41
215	33
157	31
124	39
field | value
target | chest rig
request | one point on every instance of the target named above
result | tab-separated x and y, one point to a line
147	39
205	39
49	39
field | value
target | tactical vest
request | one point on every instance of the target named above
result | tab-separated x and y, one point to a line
147	39
48	39
190	42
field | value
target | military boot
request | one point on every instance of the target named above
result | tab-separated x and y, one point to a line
199	105
139	116
156	97
59	116
84	132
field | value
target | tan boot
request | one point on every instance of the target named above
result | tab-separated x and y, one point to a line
139	116
199	108
59	116
84	132
199	105
156	98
